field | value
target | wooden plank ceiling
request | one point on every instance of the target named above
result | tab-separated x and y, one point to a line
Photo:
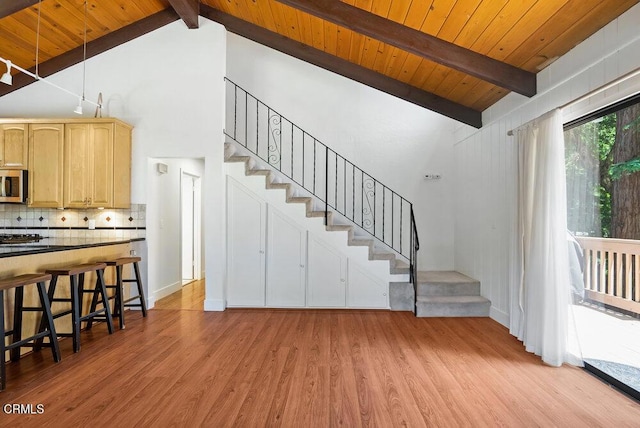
457	57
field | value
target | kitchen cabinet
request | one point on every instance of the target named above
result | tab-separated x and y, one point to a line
72	163
97	165
286	260
46	151
88	165
14	145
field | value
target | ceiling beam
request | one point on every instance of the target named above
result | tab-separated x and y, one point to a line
188	11
344	68
10	7
94	48
419	43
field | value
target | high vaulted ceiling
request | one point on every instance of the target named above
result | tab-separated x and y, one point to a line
456	57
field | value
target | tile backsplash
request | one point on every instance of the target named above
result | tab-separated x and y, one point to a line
54	223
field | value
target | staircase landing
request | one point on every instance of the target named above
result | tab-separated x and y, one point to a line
441	294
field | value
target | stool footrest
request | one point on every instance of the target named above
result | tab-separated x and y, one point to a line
24	342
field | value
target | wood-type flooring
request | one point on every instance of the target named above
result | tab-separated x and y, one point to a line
304	368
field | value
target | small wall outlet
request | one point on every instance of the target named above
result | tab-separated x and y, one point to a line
91	224
132	252
433	176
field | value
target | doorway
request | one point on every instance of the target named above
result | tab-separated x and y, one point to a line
190	215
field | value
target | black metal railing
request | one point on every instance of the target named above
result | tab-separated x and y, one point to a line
339	184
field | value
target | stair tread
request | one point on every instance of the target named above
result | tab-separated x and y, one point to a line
452	299
361	242
236	158
444	277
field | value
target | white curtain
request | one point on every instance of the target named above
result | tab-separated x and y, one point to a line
540	295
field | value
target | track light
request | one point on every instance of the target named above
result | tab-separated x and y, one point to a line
7	78
78	109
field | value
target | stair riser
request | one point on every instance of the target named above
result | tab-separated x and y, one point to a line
430	310
460	289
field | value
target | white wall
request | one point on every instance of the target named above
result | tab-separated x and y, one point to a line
164	195
169	85
485	160
397	142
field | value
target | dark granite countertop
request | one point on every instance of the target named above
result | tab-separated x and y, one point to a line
47	245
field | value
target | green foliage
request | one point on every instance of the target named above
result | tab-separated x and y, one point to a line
618	170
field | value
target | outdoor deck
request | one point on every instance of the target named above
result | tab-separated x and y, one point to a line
609	341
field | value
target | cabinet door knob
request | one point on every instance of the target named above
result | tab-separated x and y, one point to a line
261	251
342	280
302	266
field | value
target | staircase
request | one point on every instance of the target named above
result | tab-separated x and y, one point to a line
349	200
252	166
441	294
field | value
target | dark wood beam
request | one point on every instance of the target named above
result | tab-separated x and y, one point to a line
419	43
344	68
9	7
94	48
188	11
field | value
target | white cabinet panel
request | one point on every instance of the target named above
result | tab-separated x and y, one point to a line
245	247
286	255
326	275
364	290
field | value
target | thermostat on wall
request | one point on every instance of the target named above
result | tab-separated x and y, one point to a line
163	168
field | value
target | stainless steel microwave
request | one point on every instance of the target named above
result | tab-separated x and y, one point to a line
13	186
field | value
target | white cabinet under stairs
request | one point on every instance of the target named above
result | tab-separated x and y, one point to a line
275	260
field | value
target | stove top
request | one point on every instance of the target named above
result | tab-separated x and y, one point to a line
20	238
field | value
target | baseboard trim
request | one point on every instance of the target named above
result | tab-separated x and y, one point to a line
165	291
214	305
498	315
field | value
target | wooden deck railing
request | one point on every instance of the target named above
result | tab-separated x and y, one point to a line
612	271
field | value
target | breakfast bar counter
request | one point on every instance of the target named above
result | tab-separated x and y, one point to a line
55	253
48	245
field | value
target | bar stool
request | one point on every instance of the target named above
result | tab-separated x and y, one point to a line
119	302
17	342
76	282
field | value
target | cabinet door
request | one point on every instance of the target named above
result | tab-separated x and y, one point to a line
326	271
14	147
286	255
245	247
122	167
364	290
100	177
76	165
46	144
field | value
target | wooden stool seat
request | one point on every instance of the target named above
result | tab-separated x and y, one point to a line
77	269
47	328
22	280
123	261
119	301
76	274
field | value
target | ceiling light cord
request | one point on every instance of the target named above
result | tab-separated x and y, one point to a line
38	37
84	53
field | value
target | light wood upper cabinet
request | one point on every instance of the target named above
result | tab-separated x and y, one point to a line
46	142
88	165
71	163
14	147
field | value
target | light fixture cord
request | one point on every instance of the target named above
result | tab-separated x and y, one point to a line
38	37
84	53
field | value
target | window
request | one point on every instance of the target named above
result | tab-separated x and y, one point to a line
603	172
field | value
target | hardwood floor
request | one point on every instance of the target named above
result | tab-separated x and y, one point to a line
306	368
189	297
